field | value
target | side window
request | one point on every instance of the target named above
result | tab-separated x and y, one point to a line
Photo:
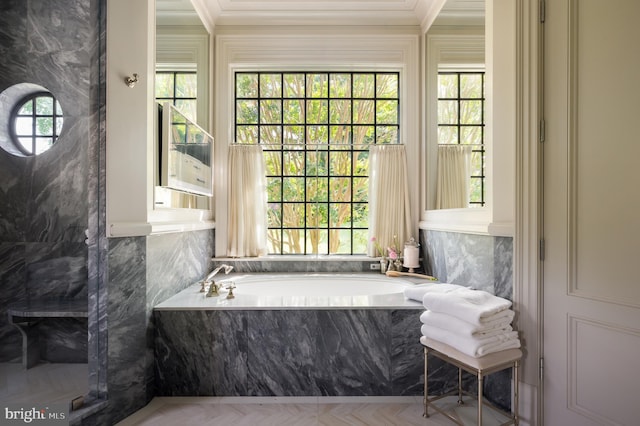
461	120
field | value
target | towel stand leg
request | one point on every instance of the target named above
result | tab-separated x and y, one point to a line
516	379
426	384
480	398
460	401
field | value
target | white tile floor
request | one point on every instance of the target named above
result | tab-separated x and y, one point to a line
43	383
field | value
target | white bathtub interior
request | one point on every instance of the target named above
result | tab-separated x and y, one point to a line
298	290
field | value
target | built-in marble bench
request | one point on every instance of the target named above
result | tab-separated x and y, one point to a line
26	315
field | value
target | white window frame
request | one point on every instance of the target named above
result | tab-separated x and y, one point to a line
335	48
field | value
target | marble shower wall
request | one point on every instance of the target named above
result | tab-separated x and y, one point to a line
144	271
44	199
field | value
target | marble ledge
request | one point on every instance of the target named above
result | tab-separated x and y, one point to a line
50	309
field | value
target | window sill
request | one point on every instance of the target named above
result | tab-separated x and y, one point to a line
301	258
466	221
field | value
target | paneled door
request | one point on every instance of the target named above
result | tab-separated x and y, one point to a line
592	213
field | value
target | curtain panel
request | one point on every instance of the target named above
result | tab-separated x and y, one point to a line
389	205
453	181
247	214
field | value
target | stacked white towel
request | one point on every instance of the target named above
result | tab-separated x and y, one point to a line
474	322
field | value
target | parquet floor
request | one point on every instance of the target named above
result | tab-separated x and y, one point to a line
297	411
44	383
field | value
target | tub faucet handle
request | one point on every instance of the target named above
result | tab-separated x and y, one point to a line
230	287
213	289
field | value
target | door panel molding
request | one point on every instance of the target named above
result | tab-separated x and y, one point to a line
614	348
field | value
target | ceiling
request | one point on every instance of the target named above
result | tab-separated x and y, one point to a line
321	12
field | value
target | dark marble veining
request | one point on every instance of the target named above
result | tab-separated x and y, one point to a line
44	207
481	262
144	271
344	352
478	261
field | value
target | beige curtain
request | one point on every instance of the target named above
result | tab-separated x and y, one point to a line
247	202
389	204
452	191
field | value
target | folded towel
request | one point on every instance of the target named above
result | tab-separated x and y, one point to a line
417	292
469	305
472	346
498	323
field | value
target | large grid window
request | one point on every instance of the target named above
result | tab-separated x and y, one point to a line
180	88
461	120
316	129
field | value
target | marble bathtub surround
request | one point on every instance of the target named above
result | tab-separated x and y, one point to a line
287	353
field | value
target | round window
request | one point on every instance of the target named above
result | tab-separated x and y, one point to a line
33	118
36	123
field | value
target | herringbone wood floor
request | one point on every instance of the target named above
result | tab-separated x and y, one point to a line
62	382
352	411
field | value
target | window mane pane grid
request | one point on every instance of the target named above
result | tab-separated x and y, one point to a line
461	120
37	123
316	129
179	88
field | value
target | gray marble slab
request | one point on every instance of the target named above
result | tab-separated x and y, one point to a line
363	352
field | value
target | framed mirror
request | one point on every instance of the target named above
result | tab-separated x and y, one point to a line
182	80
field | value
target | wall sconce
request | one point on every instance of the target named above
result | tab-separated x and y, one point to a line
131	81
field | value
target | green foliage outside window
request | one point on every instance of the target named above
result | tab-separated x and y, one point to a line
461	121
316	130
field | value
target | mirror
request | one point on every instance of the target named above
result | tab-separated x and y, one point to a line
182	79
456	98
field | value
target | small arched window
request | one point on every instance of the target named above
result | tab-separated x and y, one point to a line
36	123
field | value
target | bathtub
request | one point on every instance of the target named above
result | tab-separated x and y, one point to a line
298	291
291	335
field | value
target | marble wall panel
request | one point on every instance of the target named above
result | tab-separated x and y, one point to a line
144	271
13	41
407	372
188	347
503	267
361	352
126	313
14	192
43	212
63	340
97	242
306	265
282	352
353	352
477	261
175	261
12	290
